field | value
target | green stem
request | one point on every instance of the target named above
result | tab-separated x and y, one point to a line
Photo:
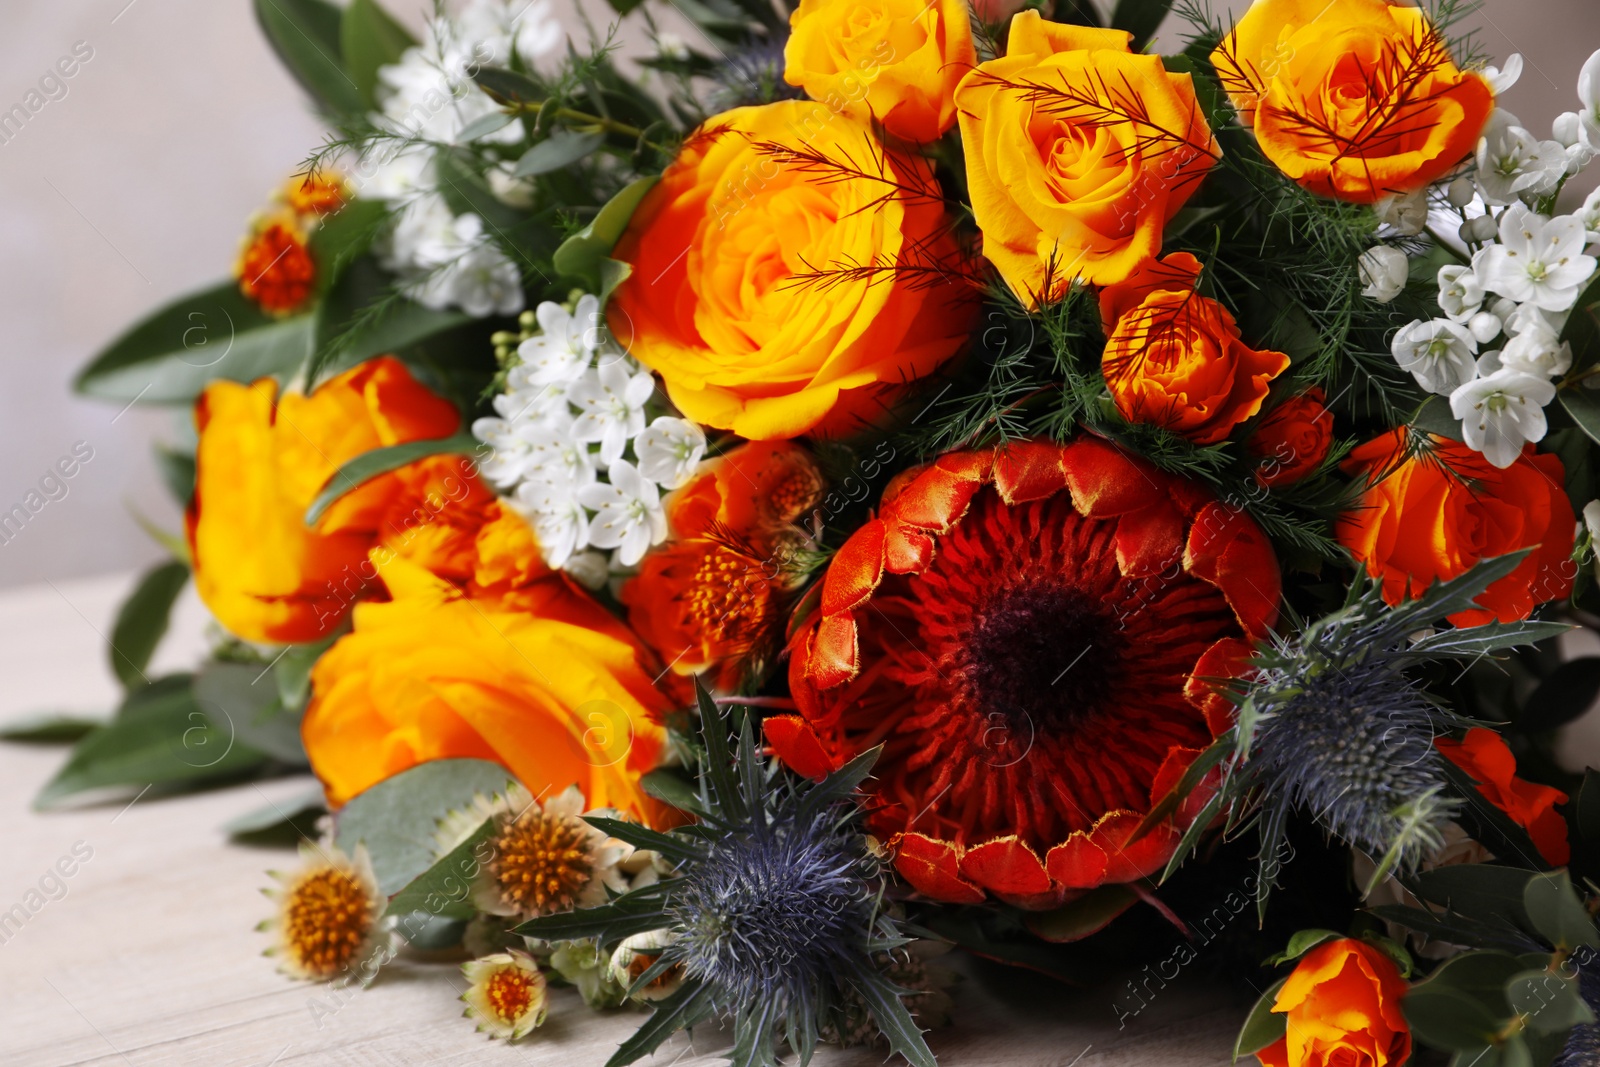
583	118
1461	258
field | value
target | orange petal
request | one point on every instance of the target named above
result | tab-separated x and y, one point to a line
1028	470
855	570
1077	863
1106	482
938	496
906	550
1149	541
1227	658
1228	550
834	658
933	869
1126	862
795	743
1006	866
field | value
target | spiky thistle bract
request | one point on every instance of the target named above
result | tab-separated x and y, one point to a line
1333	723
773	918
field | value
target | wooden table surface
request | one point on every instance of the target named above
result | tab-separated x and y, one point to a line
149	956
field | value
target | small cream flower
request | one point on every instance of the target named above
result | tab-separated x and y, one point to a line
542	859
330	921
506	994
1383	271
635	956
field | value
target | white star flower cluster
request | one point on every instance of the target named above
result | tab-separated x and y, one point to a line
574	448
1496	350
427	100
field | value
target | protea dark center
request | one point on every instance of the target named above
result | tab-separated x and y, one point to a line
770	916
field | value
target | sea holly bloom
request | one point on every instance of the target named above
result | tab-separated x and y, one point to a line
1538	259
1434	508
1032	634
505	994
330	919
1343	1007
1355	100
628	513
1078	153
1483	754
900	59
1501	411
1440	354
275	268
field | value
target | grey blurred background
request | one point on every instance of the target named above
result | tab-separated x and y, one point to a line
135	187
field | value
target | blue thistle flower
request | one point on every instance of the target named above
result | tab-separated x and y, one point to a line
1583	1043
773	920
752	75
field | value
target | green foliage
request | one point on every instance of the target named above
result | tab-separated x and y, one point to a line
306	36
142	621
368	39
357	472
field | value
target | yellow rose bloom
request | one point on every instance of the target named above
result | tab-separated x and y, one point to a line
777	293
1078	153
902	58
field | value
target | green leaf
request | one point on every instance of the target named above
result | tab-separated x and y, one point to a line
1479	891
142	621
670	787
298	814
1589	806
367	466
483	126
1481	976
397	817
165	741
170	356
894	1022
1263	1026
49	728
343	237
1474	641
340	320
1584	407
689	1006
1451	928
1448	1018
1548	1002
1087	915
1557	912
632	913
581	256
244	696
508	87
305	34
1141	18
368	39
561	149
177	472
1567	693
445	888
292	671
1303	942
673	848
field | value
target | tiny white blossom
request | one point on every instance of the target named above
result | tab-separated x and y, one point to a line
1567	130
669	450
1485	327
1537	259
1501	80
1513	163
1589	96
1537	350
1460	294
486	282
1589	215
610	400
1383	271
1591	519
565	347
1500	412
1438	353
628	513
1531	316
556	513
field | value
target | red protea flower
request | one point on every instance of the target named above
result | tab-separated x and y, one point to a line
1032	634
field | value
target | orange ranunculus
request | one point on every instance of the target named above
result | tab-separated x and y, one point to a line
1343	1006
1078	152
275	268
1174	358
522	667
1293	440
777	295
1483	754
261	461
712	596
1356	100
1434	515
902	58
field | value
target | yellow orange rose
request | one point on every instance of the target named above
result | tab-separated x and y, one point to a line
777	294
260	463
1343	1008
1078	152
1356	100
902	58
532	674
1174	358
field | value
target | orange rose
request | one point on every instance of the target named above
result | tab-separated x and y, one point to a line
1483	754
1174	358
522	667
903	57
1293	440
778	294
1356	100
261	461
1343	1008
713	595
1430	517
1078	152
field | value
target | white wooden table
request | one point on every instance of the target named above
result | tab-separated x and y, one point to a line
150	957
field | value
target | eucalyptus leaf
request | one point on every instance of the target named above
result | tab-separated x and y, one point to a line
369	465
561	149
49	728
177	473
1263	1026
244	696
1548	1002
582	255
483	126
508	86
1448	1018
444	890
1558	913
305	34
368	39
397	817
142	621
1584	407
1303	942
299	813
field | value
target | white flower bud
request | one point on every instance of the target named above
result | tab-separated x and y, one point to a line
1476	231
1407	215
1461	191
1484	327
1567	128
1383	272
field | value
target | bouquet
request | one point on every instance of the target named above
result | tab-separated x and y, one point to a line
728	526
